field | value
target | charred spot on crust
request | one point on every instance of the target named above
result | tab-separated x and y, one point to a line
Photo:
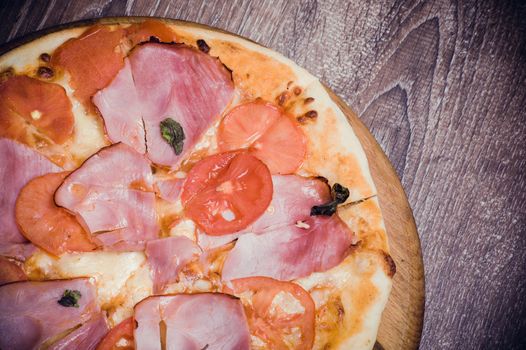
310	115
154	39
390	265
297	90
282	98
45	72
308	100
203	46
45	57
6	74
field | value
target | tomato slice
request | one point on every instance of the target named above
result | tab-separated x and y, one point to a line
25	100
267	320
48	226
267	132
226	192
140	32
121	333
92	60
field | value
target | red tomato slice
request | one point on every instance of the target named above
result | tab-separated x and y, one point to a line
140	32
267	132
45	224
226	192
10	272
269	322
123	330
92	60
25	100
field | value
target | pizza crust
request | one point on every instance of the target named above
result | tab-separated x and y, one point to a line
362	282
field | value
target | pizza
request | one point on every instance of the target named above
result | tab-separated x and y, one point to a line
170	186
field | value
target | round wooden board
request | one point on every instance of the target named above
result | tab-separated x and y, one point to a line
402	318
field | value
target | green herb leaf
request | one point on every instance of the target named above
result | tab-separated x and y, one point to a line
339	195
173	133
70	298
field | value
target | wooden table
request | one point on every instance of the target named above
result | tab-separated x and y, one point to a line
442	86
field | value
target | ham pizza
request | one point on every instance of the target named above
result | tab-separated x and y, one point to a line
170	186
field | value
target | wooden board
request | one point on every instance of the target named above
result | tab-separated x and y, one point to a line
402	319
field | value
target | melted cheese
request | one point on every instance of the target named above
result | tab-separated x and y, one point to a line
122	278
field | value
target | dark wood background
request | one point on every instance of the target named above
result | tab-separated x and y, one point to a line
442	86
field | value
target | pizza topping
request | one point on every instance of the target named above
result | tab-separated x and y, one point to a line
292	201
191	321
112	195
81	57
165	81
45	72
30	106
226	192
19	165
10	271
70	298
203	46
167	256
310	115
277	311
169	189
339	195
119	337
45	57
86	336
290	252
46	225
31	316
173	133
267	132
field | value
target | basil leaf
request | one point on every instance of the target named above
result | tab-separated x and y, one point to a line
173	133
70	298
339	195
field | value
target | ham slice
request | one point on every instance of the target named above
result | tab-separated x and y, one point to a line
112	196
86	337
290	252
19	165
293	198
167	256
170	189
31	314
160	81
211	321
10	271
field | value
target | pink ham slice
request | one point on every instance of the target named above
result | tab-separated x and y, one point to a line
170	189
211	321
290	252
167	256
86	337
31	314
160	81
10	271
293	198
121	109
112	195
19	165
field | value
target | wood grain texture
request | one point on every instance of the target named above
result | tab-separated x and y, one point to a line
441	85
